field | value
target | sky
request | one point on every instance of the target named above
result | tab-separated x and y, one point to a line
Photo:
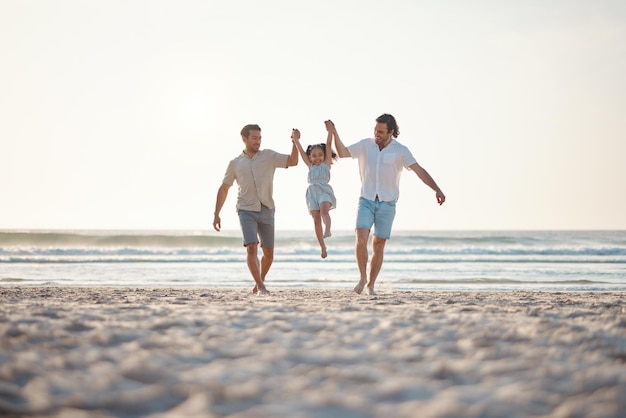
125	114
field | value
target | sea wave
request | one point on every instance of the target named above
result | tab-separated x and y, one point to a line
114	239
299	246
204	239
308	258
86	255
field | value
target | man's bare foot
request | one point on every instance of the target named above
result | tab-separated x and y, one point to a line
255	290
263	291
371	291
360	286
324	254
260	291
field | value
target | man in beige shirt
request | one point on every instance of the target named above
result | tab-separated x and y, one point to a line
254	170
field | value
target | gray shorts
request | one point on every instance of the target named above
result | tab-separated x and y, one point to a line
257	226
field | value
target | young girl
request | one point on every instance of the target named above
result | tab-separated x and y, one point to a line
320	197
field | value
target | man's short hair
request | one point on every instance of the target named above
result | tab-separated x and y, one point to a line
245	132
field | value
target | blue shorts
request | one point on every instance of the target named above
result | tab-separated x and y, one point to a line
257	226
377	213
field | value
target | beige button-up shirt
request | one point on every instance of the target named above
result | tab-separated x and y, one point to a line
255	178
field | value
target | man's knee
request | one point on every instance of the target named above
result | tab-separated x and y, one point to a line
252	247
378	244
362	235
268	252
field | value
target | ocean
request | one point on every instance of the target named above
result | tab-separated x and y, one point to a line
414	260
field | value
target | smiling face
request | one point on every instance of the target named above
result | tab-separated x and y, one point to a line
382	135
316	156
252	142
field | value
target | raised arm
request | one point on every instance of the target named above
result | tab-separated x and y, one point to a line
342	150
298	145
222	193
293	157
429	181
328	158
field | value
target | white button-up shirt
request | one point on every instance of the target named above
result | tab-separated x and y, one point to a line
381	169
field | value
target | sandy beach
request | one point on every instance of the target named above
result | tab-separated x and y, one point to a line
179	352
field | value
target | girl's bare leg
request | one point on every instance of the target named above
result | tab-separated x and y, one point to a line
325	214
317	221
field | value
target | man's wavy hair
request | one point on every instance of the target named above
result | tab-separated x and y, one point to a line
392	125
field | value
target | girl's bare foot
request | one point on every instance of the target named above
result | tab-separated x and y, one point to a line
324	254
327	234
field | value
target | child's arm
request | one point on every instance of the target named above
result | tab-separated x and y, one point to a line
329	148
305	158
342	150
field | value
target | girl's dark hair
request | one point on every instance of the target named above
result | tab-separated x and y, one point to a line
321	146
392	125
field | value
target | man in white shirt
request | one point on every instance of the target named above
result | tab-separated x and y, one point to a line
381	160
253	170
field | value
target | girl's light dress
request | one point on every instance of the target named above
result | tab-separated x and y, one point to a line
319	190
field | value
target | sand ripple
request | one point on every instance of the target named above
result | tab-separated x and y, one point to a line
126	352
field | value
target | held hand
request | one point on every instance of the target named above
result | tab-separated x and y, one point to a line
440	197
330	126
295	135
217	223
